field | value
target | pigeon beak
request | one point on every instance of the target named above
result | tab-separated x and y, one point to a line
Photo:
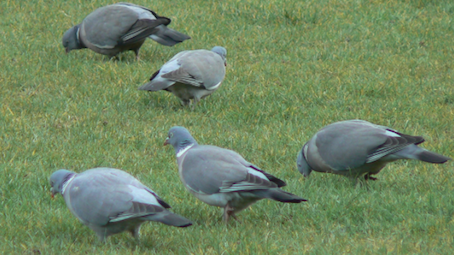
225	63
52	193
67	50
166	141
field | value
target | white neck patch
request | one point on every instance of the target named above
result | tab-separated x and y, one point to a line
305	152
77	34
66	184
215	86
181	152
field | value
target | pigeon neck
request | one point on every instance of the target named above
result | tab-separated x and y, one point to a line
81	44
66	183
306	160
184	148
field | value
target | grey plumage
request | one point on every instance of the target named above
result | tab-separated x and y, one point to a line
354	148
192	74
110	201
120	27
222	177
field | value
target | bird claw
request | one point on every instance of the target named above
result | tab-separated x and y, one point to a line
369	177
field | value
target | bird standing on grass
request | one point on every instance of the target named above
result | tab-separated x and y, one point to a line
120	27
191	74
222	177
354	148
110	201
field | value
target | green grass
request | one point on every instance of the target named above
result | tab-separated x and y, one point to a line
293	67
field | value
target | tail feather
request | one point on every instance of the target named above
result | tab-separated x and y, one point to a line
168	37
157	83
279	195
154	86
415	152
432	157
171	219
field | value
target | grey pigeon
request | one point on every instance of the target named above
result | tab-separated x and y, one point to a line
110	201
222	177
120	27
192	74
356	147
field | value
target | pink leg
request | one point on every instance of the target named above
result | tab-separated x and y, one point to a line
228	211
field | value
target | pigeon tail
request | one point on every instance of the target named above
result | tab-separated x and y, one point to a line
432	157
167	36
154	86
279	195
173	219
415	152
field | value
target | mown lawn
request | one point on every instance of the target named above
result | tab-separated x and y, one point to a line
293	67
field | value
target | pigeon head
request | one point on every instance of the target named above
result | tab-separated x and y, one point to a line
71	39
179	138
222	52
58	179
301	163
